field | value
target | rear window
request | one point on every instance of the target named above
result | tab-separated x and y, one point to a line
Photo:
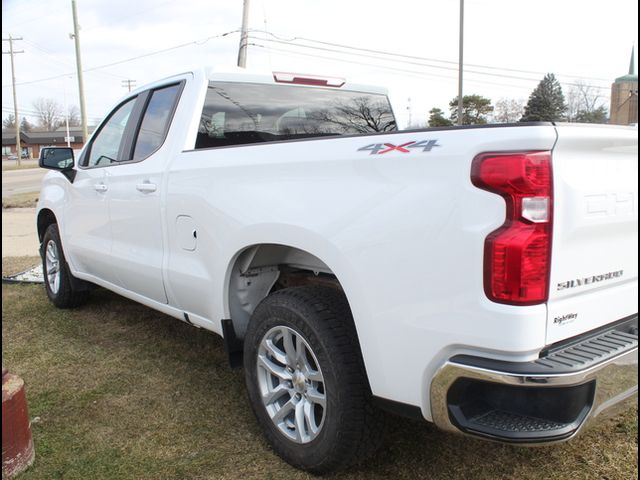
244	113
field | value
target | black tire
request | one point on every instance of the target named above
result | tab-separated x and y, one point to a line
71	292
353	427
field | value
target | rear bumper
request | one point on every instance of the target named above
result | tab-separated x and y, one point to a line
548	400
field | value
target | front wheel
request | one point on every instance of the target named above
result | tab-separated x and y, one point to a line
62	288
306	380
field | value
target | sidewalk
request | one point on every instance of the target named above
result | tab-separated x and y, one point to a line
19	233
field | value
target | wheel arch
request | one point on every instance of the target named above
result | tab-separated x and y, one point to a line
258	269
45	218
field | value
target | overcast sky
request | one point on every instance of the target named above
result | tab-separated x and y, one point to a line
509	45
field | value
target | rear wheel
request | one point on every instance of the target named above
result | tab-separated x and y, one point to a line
306	380
63	290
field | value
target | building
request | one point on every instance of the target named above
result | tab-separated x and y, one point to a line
624	97
32	142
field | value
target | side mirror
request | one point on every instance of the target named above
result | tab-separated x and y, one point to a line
57	158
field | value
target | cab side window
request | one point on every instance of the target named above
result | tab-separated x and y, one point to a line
156	120
106	146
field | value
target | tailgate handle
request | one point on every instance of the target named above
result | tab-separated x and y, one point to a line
146	187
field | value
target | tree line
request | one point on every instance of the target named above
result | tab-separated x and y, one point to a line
49	116
546	103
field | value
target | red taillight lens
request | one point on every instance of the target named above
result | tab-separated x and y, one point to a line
518	254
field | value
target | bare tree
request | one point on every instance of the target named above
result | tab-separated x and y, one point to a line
573	104
9	122
74	116
359	114
508	110
48	113
585	103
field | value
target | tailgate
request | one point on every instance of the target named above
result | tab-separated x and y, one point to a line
594	265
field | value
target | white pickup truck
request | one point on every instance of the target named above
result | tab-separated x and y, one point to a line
481	278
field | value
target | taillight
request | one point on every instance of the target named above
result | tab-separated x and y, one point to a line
517	255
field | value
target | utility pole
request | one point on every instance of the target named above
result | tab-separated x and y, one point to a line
460	103
244	36
66	119
12	52
128	83
76	36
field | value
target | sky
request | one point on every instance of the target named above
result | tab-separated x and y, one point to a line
508	46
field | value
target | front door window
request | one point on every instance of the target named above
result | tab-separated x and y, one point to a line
106	146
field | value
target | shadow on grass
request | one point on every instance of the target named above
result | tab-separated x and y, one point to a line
123	391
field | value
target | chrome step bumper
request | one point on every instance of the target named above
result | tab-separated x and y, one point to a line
547	400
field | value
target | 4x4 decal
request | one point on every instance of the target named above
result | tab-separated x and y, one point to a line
380	148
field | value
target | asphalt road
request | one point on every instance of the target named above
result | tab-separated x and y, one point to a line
21	181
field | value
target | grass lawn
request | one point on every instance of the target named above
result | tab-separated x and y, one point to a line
21	200
123	392
8	165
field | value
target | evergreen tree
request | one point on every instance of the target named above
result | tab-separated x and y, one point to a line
599	115
25	125
437	118
475	109
546	102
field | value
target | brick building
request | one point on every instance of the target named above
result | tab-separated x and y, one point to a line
31	142
624	97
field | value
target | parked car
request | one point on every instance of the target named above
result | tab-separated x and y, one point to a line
15	157
481	278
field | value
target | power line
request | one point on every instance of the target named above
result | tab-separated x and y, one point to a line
51	57
421	64
131	59
32	19
128	83
415	73
128	15
92	27
395	54
34	113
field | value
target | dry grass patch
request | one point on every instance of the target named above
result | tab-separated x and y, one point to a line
13	265
123	392
21	200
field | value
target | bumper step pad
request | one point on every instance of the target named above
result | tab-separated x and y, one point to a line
590	351
570	356
504	421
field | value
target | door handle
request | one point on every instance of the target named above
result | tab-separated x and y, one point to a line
146	187
100	187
